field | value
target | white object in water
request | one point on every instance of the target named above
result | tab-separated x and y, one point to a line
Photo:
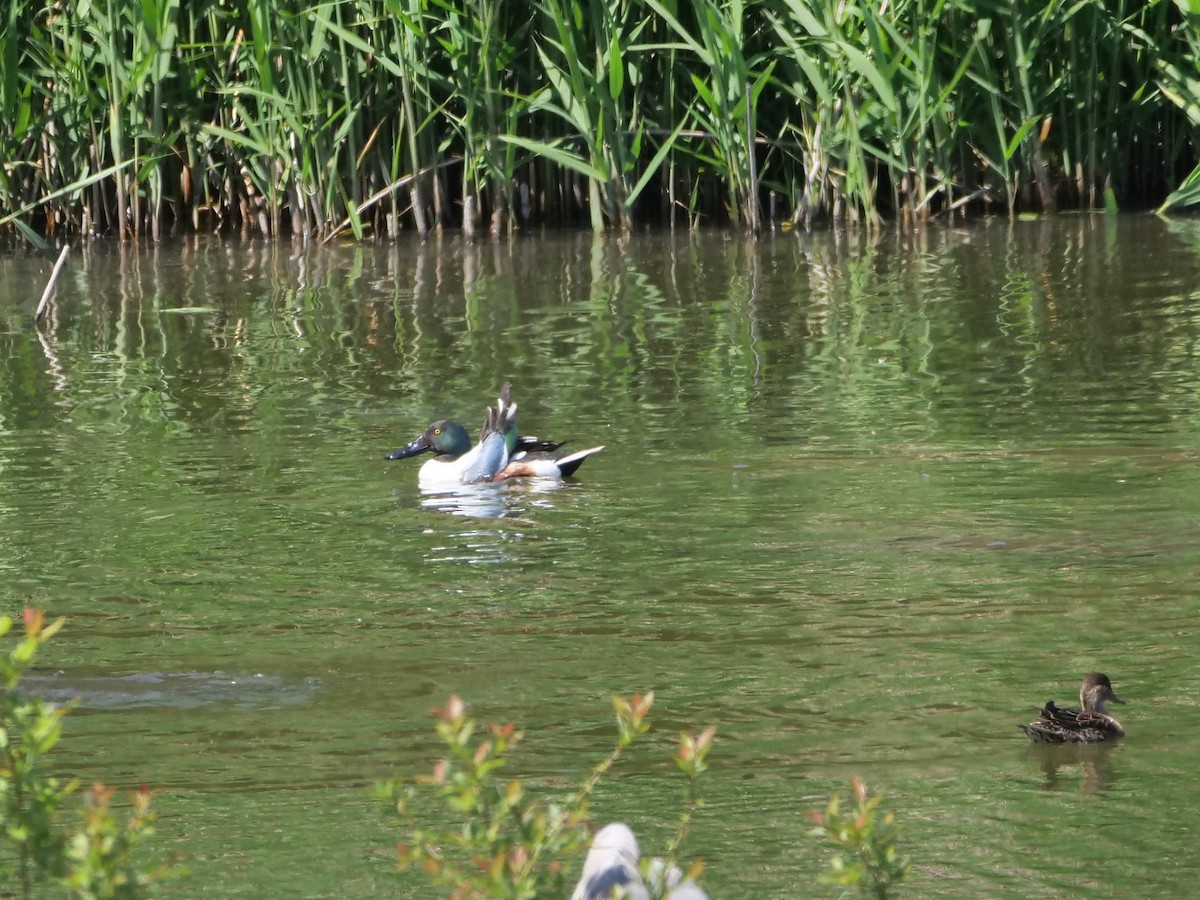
612	865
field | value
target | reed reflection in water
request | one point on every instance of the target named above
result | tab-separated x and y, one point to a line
865	503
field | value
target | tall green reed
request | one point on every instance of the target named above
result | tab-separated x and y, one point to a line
478	55
309	116
589	57
727	85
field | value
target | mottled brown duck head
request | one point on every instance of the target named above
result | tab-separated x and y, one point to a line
1095	692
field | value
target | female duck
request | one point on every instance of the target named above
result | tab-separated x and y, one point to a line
1087	725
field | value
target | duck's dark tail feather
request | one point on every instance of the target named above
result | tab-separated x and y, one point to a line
1039	736
568	464
500	417
531	444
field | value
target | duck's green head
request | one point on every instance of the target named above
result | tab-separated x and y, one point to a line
444	438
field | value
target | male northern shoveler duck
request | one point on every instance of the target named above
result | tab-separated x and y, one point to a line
500	455
1087	725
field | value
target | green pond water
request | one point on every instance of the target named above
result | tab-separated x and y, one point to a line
865	504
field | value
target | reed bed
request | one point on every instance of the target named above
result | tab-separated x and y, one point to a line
322	117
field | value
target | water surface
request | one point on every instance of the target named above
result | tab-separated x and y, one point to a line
865	504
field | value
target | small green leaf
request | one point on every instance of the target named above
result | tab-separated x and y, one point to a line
616	68
1187	194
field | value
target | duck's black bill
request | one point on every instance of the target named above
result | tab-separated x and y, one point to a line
420	445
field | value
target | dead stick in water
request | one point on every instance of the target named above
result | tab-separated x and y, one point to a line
45	301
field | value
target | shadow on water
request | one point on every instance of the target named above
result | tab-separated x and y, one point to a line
174	690
1086	768
495	501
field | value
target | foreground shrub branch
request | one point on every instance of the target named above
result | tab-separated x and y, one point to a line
509	844
96	858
